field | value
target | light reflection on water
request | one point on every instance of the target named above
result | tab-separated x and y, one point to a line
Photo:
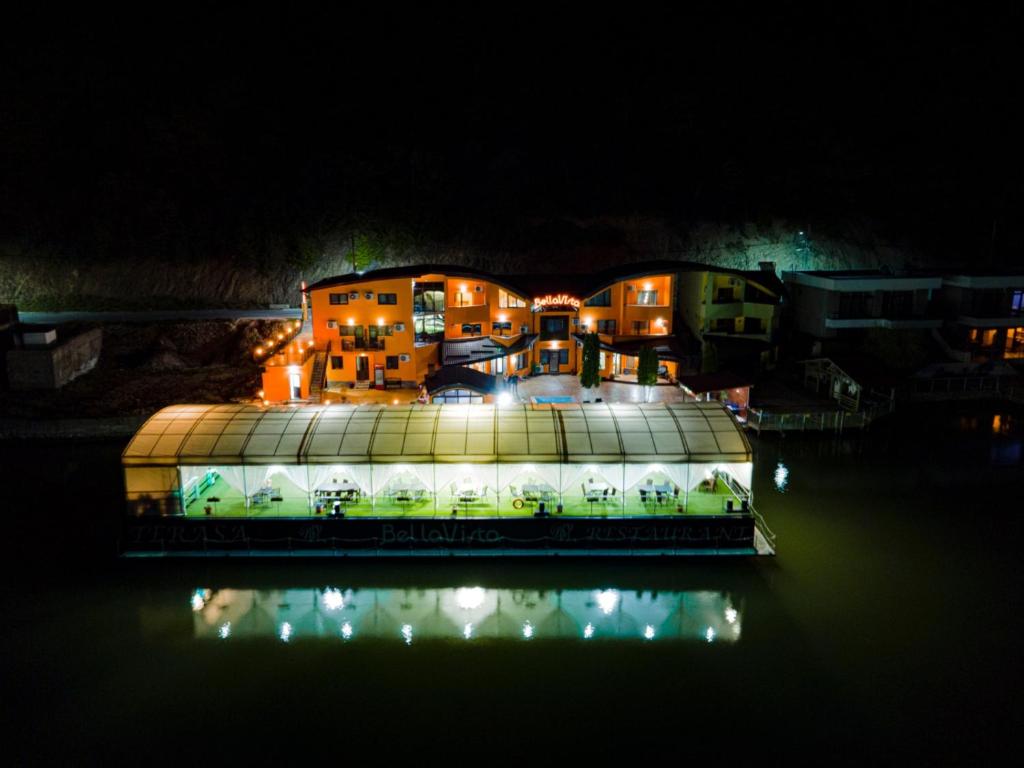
464	614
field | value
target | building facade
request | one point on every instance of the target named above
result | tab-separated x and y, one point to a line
828	305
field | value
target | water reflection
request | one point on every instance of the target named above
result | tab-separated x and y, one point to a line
464	614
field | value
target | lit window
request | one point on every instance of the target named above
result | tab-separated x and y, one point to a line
507	300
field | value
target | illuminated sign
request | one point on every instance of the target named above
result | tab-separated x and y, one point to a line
556	301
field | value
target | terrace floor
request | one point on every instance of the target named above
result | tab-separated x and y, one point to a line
295	503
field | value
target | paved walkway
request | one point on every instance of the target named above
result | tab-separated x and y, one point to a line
609	391
543	385
402	396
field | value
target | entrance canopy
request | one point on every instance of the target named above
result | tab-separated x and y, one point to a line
223	435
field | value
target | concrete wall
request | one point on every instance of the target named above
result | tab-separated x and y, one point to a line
53	367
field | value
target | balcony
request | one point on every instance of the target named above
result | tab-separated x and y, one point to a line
996	321
733	309
837	321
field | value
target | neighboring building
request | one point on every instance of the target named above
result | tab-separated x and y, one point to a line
400	326
47	357
841	304
984	314
734	314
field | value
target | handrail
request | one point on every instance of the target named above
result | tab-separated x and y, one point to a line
762	526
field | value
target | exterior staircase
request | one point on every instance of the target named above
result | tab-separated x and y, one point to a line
318	378
361	385
959	356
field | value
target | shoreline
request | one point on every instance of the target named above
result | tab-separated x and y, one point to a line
60	429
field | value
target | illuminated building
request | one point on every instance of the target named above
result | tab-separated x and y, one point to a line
406	326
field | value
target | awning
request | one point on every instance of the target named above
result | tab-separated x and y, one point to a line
668	347
482	348
714	382
459	376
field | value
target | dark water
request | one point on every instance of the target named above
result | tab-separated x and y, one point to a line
886	629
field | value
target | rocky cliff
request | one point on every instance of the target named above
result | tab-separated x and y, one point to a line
60	282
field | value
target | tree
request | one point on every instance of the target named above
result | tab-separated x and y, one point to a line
590	369
647	370
364	251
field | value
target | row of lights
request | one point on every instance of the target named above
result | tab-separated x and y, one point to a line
286	631
268	347
275	344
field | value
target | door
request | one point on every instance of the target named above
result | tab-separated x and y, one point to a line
549	360
362	368
295	385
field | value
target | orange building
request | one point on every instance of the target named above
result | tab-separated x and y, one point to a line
404	326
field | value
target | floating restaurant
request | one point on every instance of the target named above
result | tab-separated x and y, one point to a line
660	478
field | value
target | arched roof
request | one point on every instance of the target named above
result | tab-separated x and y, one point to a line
202	435
582	285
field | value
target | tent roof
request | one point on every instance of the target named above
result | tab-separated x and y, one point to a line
326	434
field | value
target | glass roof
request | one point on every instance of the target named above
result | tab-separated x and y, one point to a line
329	434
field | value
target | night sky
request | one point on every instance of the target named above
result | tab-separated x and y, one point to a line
208	136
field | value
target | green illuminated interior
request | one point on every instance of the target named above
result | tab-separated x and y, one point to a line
296	503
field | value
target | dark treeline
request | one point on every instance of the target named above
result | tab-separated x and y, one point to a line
219	140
